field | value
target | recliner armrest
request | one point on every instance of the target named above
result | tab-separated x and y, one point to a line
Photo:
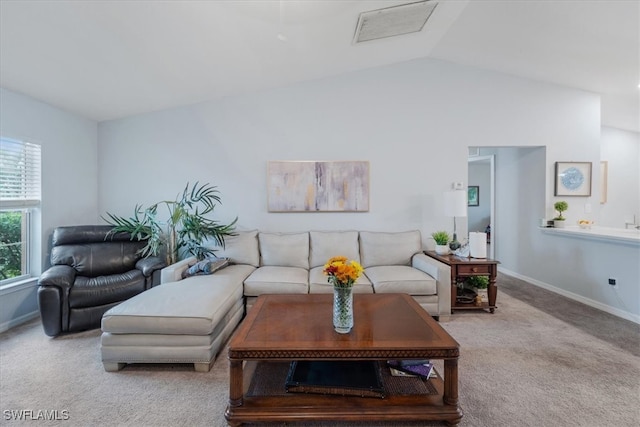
61	276
150	264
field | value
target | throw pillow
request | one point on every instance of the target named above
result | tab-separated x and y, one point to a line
206	266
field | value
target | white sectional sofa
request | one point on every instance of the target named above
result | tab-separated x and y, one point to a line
189	320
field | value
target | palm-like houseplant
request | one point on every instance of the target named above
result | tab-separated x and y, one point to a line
186	228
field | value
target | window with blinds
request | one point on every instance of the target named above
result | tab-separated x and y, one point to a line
20	165
19	174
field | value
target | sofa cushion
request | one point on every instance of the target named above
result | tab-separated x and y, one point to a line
193	306
400	278
318	283
240	249
326	244
98	258
277	280
107	289
285	249
379	248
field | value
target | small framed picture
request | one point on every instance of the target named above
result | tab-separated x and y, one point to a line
573	179
473	195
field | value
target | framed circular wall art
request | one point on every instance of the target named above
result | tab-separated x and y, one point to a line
573	179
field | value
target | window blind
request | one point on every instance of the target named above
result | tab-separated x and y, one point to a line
19	173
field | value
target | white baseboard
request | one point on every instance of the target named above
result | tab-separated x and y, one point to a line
595	304
18	321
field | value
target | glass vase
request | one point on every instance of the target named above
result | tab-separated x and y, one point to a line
342	309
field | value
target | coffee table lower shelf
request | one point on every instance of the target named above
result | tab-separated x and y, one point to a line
274	404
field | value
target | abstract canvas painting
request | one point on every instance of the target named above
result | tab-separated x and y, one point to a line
315	186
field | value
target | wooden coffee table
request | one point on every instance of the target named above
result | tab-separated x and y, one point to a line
299	327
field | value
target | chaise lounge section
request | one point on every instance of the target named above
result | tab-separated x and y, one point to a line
189	320
179	322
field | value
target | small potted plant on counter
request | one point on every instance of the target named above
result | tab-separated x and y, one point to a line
561	206
441	238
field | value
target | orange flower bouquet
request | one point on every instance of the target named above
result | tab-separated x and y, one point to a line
341	272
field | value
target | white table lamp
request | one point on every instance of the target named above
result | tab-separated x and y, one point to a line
455	205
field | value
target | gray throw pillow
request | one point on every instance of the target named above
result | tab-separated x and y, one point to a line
206	266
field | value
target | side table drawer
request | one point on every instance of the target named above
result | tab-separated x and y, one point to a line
479	270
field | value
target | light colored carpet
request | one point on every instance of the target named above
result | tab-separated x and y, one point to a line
540	360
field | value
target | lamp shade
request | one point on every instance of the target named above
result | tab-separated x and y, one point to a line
455	203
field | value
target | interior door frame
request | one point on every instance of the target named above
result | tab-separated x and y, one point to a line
492	200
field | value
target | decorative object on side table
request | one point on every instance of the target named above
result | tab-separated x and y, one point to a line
560	206
186	228
342	274
573	179
477	244
441	238
455	205
464	250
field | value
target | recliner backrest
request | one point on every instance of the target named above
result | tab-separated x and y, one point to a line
91	253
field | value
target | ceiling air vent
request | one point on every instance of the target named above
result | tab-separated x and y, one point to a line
393	21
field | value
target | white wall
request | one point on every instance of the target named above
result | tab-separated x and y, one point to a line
520	197
621	149
69	182
580	268
575	267
412	121
69	159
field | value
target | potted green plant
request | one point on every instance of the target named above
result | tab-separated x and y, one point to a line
186	228
441	238
476	287
560	206
477	282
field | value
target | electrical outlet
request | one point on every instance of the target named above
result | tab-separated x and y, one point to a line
612	282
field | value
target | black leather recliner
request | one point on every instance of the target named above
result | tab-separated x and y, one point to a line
91	271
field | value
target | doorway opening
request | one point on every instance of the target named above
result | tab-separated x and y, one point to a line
481	211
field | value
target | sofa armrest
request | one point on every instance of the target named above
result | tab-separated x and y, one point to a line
173	272
60	276
149	265
442	273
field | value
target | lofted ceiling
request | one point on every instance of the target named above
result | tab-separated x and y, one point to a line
111	59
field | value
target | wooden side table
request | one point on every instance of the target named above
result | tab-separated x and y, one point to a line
462	267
